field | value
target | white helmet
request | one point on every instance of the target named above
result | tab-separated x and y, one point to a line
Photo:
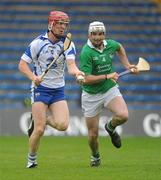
96	26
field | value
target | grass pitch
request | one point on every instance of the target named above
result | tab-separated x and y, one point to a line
67	158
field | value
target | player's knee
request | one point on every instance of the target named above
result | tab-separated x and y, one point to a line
63	126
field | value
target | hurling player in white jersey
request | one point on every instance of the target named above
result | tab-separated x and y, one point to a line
49	92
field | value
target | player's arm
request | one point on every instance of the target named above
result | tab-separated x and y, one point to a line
124	59
25	69
26	59
70	55
73	69
92	79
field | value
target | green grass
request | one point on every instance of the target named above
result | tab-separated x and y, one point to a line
67	158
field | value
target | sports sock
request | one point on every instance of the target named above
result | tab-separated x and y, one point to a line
32	157
110	127
96	155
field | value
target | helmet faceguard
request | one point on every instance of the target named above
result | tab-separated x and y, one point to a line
57	16
96	26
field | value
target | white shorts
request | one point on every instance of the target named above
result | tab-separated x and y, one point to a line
92	104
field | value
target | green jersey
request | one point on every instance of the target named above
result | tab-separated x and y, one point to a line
96	62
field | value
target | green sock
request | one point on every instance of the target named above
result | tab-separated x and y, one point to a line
96	155
110	127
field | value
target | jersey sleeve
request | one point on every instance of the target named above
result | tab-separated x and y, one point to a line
85	62
115	44
30	52
70	53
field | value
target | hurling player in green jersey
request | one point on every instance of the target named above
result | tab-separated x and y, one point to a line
100	89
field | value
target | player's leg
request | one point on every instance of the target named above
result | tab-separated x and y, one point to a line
31	126
92	106
120	115
119	108
59	118
39	116
93	126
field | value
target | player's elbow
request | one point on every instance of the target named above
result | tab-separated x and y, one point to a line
21	65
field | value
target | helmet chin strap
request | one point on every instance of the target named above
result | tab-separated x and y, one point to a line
56	35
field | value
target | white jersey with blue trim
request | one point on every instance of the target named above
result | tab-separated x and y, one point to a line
41	52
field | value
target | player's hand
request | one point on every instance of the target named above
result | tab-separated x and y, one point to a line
133	68
114	76
37	80
80	77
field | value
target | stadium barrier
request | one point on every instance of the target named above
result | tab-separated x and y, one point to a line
141	123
